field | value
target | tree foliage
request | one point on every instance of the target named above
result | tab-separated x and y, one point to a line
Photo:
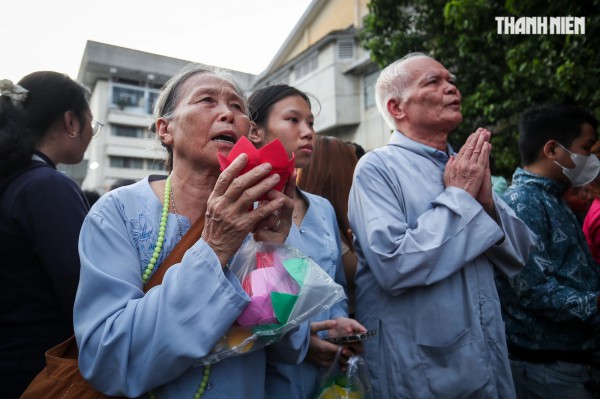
499	75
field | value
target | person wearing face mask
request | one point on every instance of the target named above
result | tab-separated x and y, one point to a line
551	306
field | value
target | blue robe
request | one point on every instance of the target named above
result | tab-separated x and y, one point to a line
425	281
130	342
317	237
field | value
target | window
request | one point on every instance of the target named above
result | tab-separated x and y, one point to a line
126	162
307	65
127	97
283	78
155	164
345	49
128	131
152	96
369	81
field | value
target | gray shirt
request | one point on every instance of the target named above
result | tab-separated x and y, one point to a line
425	280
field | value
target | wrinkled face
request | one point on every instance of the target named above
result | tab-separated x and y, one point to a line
210	116
432	100
291	121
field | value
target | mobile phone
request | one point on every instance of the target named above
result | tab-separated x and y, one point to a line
346	339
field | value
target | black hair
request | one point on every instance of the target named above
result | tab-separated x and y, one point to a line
91	196
121	183
542	123
261	101
358	150
23	124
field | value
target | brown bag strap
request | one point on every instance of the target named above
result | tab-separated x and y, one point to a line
188	239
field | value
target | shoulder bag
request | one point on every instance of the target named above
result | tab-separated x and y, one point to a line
61	377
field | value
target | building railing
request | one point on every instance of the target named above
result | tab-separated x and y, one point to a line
139	99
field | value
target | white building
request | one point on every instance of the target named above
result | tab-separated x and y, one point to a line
124	85
321	57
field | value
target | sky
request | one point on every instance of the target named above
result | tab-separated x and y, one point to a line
243	35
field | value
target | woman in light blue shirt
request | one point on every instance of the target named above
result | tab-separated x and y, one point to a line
132	344
283	112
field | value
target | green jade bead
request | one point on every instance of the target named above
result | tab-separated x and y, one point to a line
146	276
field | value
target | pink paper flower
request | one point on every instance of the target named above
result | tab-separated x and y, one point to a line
273	153
268	277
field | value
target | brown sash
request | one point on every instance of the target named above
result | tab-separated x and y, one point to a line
61	377
188	239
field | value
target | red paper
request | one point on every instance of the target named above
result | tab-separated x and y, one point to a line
273	153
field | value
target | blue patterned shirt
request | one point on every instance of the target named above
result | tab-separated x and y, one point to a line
552	303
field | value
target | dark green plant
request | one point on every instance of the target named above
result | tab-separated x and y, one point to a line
499	76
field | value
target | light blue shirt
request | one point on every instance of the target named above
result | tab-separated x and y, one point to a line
425	278
130	342
317	237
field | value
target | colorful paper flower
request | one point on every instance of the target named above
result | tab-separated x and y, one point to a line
273	153
272	290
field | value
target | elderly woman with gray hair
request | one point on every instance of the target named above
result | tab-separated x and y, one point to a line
133	343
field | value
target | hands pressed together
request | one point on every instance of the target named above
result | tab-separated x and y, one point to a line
228	220
470	169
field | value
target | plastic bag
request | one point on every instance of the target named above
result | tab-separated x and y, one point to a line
286	288
355	383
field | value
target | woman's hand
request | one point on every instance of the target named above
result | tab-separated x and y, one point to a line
227	220
275	227
322	352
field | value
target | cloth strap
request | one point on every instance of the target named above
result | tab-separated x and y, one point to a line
188	239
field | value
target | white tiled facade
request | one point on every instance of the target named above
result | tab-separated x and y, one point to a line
124	85
321	57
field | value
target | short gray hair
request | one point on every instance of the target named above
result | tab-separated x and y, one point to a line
170	94
392	83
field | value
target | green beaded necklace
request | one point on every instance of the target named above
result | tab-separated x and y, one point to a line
150	268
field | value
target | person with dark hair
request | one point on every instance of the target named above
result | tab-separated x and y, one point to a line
132	343
45	120
430	234
92	196
284	112
120	183
358	150
551	307
329	175
579	200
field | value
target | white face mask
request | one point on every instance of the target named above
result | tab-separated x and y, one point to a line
585	171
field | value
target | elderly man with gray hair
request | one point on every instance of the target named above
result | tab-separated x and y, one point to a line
429	235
